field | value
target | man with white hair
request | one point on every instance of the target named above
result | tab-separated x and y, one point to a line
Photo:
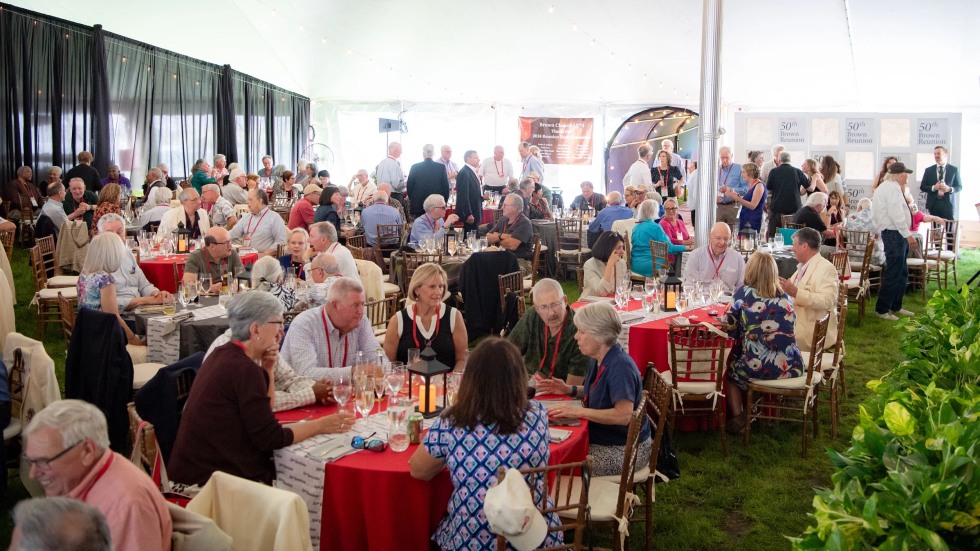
67	447
675	159
361	189
323	342
616	210
53	208
165	173
784	184
729	178
389	171
266	173
323	238
716	261
530	163
397	205
80	202
220	210
813	215
496	171
378	213
424	179
431	224
769	165
324	270
545	336
589	199
159	202
260	229
133	289
237	189
190	214
639	172
445	159
59	524
514	232
154	178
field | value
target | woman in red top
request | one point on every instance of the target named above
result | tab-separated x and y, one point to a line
108	202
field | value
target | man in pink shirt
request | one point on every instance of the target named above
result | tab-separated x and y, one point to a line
68	450
305	209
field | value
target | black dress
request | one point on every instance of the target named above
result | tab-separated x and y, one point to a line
441	342
671	176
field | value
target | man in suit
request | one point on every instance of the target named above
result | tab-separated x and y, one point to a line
785	185
813	288
940	181
469	200
426	178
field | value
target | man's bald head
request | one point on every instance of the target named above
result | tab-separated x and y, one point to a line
218	242
719	236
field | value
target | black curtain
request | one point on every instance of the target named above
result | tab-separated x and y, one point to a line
225	110
270	121
101	141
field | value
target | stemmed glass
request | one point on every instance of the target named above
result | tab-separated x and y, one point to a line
649	285
395	378
204	283
189	290
342	390
364	399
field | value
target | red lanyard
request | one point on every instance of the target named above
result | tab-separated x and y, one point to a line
727	174
415	335
98	476
664	175
222	265
585	398
248	229
240	345
718	265
544	353
500	171
527	161
326	331
676	229
432	223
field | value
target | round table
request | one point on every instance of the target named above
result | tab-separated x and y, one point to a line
159	270
371	501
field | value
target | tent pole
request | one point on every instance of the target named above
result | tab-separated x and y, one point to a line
708	124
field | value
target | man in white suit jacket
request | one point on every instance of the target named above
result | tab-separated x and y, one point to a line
813	288
189	211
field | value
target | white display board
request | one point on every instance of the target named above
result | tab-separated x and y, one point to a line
858	141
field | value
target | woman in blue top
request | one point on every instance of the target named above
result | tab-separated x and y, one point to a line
645	230
492	415
754	202
96	286
761	321
611	391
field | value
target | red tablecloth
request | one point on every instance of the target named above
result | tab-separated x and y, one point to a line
159	270
487	216
371	501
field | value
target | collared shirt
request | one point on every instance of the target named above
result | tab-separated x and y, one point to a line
200	260
639	173
604	220
154	214
731	176
292	390
235	194
360	193
378	213
451	169
345	262
56	212
520	229
131	282
302	214
496	173
306	348
702	266
801	270
221	211
425	227
264	230
890	211
532	164
528	335
390	171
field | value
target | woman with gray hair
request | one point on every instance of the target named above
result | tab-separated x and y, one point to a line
96	286
277	178
200	175
228	424
267	276
646	230
59	524
611	390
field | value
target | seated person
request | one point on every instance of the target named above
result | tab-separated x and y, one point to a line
329	207
361	189
814	215
513	436
303	212
260	229
762	321
59	524
217	258
537	205
158	203
607	266
190	214
133	289
227	424
299	246
324	270
427	321
97	288
588	200
80	202
860	220
514	232
323	239
379	212
53	208
813	288
236	190
716	261
431	224
611	391
674	226
397	205
108	203
67	447
545	337
267	276
616	210
918	217
323	342
646	230
219	209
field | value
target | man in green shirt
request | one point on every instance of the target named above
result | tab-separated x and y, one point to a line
80	202
217	258
545	336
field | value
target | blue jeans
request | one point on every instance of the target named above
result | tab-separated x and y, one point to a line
896	276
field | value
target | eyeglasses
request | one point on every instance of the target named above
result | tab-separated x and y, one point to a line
670	208
375	445
546	307
44	463
221	242
276	322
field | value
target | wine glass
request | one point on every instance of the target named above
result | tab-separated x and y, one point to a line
395	378
649	284
414	355
364	398
452	387
204	283
189	291
342	390
621	299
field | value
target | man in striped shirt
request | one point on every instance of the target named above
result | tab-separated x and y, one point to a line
378	213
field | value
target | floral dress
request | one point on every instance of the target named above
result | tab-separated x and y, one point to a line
764	329
100	210
90	289
473	457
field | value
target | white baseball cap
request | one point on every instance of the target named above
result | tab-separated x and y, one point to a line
511	512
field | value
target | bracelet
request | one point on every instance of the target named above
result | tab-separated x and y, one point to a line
574	391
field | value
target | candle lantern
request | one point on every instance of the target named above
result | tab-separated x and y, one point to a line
747	239
671	292
426	368
450	237
182	239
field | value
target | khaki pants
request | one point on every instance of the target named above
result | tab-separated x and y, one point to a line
727	213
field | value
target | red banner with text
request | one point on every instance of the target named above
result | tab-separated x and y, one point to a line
562	141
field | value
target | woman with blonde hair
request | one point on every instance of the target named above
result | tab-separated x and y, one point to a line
830	172
96	286
761	322
427	321
809	168
108	202
298	243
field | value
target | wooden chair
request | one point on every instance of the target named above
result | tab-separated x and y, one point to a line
946	249
67	308
55	276
580	279
842	263
858	285
7	239
833	363
411	262
804	389
145	455
786	222
574	499
48	310
535	260
27	219
281	250
389	239
855	242
659	393
511	282
659	256
697	363
240	210
571	251
358	240
922	270
378	312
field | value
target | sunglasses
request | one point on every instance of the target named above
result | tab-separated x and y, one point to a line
375	445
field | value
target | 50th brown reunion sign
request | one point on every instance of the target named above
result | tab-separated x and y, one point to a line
562	141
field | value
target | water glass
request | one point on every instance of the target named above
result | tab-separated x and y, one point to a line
452	387
682	301
649	285
395	378
414	355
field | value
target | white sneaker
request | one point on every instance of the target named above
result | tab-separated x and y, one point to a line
887	316
904	312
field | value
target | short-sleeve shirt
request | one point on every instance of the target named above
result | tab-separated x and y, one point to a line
529	337
809	218
221	211
90	289
614	379
199	262
473	457
522	230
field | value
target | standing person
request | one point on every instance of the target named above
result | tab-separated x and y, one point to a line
754	202
424	179
97	288
529	163
496	171
361	189
667	178
390	171
445	159
729	177
693	190
832	179
939	182
639	172
757	158
469	200
892	218
675	159
816	183
88	173
767	166
885	164
785	184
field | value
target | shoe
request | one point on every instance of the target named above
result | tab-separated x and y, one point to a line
736	425
887	316
904	312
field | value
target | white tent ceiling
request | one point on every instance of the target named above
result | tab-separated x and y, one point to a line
819	54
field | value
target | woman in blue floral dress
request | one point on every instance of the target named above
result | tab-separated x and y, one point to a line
761	321
96	286
493	424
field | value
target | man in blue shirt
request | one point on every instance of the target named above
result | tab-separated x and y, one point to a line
378	213
431	223
729	177
615	210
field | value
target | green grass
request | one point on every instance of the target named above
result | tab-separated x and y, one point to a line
749	500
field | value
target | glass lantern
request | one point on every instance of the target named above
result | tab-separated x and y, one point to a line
426	368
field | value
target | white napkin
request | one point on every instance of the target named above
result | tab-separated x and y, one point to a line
559	435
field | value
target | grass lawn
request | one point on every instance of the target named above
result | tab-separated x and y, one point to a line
749	500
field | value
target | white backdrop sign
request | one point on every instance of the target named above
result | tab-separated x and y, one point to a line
791	132
933	132
859	131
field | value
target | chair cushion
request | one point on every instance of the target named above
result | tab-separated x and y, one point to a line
918	262
528	284
828	361
144	372
690	387
390	288
12	430
602	497
67	292
639	476
944	255
62	281
569	252
790	383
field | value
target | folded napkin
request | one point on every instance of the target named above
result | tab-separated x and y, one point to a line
596	299
334	448
559	435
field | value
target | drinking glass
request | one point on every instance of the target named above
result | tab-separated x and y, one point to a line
342	390
379	385
414	355
395	378
398	423
622	299
648	301
682	301
452	387
649	284
638	293
169	306
190	292
181	297
204	283
364	397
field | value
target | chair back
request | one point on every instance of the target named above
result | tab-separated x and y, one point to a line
786	220
815	365
841	322
389	236
697	354
659	392
658	255
38	269
379	311
842	263
855	242
144	441
535	260
7	240
26	210
281	250
17	384
624	507
935	240
359	240
794	226
869	251
67	308
240	210
569	233
951	234
512	282
411	262
497	213
580	279
560	494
